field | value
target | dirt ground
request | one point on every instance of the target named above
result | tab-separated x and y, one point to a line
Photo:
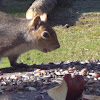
40	94
23	96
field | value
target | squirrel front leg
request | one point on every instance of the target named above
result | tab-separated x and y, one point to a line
13	60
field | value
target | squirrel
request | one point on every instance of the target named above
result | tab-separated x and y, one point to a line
44	7
40	7
19	35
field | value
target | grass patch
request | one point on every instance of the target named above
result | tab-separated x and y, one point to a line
78	42
16	7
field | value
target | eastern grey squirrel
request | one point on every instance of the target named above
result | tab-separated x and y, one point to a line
19	35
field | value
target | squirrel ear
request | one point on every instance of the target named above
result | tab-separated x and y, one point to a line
30	13
44	17
35	22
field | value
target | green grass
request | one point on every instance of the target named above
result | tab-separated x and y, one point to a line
78	42
15	7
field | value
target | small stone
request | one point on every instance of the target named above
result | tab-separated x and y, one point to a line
91	89
26	78
20	92
83	71
90	81
98	90
98	78
38	70
82	62
30	88
38	97
67	26
44	87
88	76
76	72
87	61
43	71
98	63
16	78
67	62
72	75
47	76
1	78
91	74
57	73
94	85
61	70
7	78
12	77
23	97
3	83
66	72
95	79
60	79
76	68
19	87
37	74
43	92
8	89
70	69
96	75
1	91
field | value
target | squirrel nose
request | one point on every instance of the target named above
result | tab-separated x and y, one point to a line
58	46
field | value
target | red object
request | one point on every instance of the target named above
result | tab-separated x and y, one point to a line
85	99
75	86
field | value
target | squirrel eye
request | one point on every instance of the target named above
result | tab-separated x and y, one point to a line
45	35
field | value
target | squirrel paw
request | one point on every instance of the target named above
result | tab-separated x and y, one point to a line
19	65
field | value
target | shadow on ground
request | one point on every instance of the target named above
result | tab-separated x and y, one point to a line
70	16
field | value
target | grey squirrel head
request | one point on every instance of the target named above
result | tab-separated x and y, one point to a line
22	31
44	36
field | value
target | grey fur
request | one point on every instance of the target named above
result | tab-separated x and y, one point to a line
13	33
44	5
